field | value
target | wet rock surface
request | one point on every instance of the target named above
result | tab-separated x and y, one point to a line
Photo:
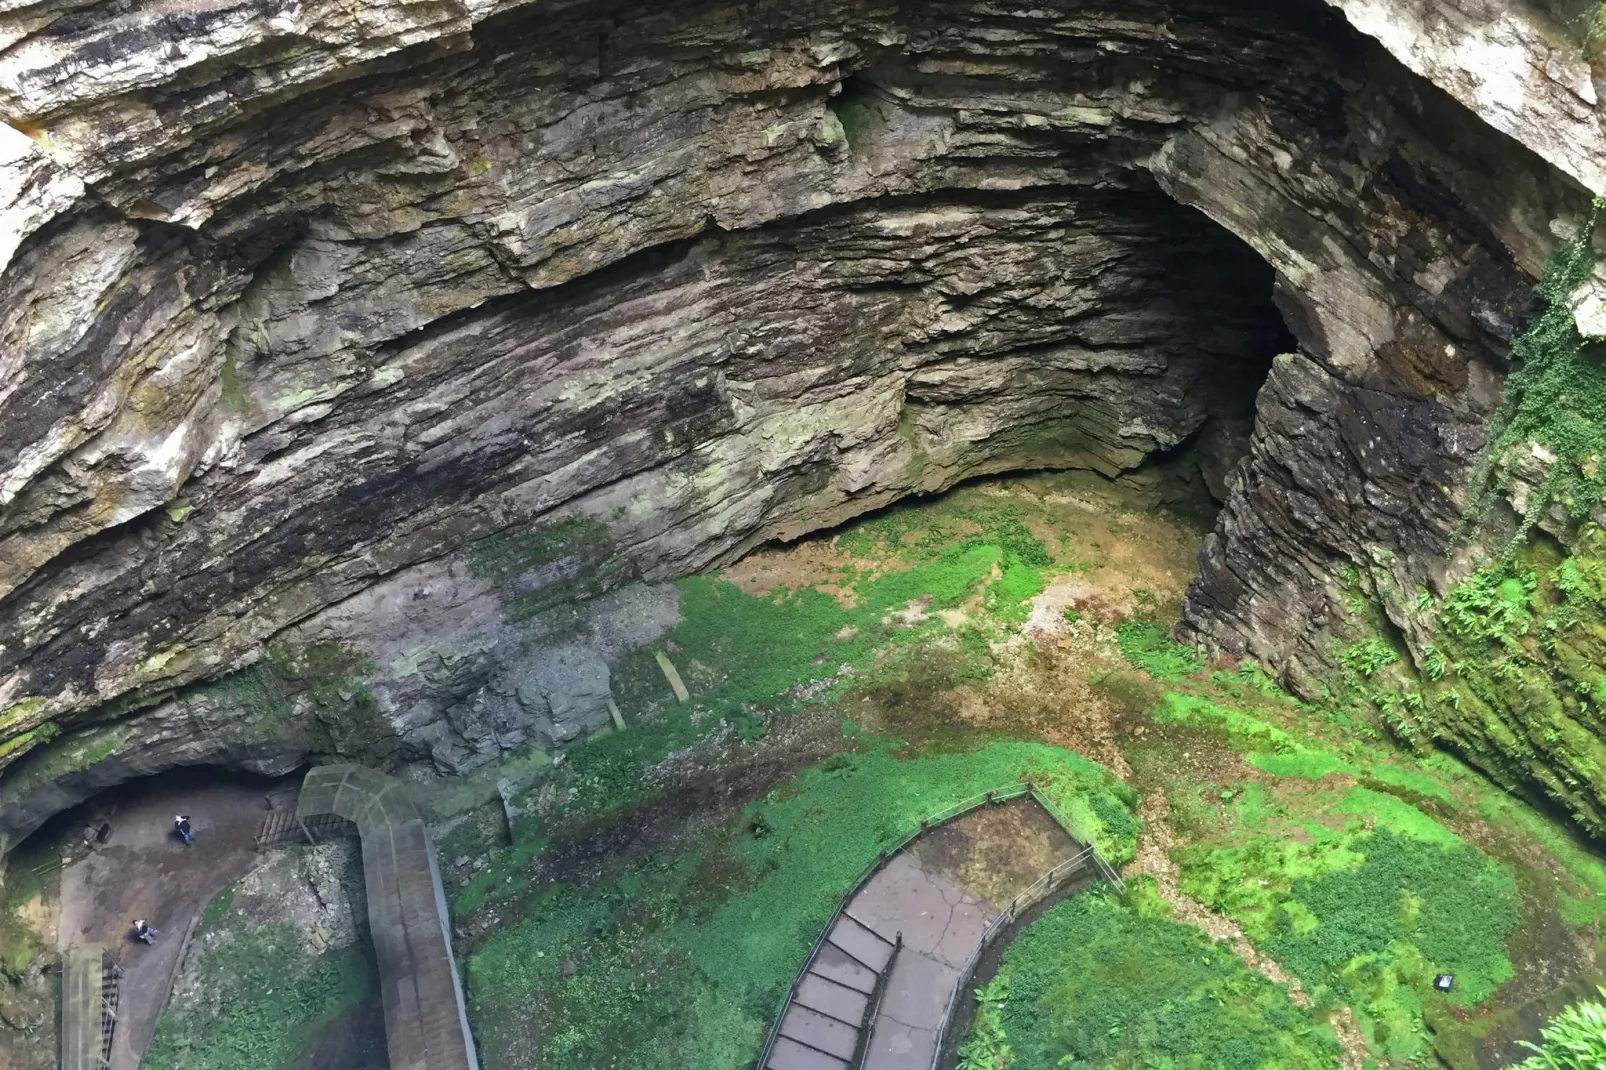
342	358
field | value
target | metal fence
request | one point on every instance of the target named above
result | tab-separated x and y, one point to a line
1039	890
930	821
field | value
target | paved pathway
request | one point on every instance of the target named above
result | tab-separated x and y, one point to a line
906	935
426	1026
143	871
81	1014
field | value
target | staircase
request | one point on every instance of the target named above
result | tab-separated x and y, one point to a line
825	1022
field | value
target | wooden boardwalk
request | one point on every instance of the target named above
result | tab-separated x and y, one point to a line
426	1026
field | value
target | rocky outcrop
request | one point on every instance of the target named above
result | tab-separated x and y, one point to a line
397	331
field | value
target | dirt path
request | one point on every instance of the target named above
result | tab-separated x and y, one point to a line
144	871
1154	859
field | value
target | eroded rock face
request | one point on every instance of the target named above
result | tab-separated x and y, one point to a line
390	337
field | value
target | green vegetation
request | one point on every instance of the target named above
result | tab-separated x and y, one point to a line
218	907
987	1046
679	961
1574	1040
1353	888
749	658
589	563
1362	869
330	677
1348	866
231	387
1514	678
1098	982
1556	396
1369	657
20	944
1149	647
506	875
263	994
503	557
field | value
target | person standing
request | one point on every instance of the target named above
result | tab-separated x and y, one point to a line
181	825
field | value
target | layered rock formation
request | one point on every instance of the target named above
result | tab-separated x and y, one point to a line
344	351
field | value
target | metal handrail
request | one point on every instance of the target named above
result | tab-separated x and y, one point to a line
1071	830
872	1009
1035	893
999	795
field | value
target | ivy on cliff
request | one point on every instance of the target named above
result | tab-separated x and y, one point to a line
1555	397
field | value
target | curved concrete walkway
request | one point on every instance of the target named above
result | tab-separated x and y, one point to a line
426	1024
906	936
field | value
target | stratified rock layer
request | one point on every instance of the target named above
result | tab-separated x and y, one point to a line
367	339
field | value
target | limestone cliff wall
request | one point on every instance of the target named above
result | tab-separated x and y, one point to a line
337	337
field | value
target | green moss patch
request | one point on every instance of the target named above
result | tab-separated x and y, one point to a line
1149	647
748	658
681	961
1556	396
265	994
1350	886
1098	982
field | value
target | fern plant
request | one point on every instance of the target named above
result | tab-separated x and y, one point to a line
1574	1040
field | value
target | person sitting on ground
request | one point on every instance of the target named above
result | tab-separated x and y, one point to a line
143	931
181	824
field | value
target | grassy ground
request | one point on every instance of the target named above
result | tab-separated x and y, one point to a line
268	993
1366	871
272	983
678	961
29	910
1102	981
844	687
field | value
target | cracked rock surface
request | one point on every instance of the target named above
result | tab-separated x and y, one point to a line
377	338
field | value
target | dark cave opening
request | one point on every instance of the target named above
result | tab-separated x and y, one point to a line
185	789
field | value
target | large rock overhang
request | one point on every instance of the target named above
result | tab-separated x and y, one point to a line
298	308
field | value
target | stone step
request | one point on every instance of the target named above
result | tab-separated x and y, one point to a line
861	942
790	1055
828	997
835	964
819	1032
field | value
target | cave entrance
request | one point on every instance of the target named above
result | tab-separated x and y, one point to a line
1217	329
1114	331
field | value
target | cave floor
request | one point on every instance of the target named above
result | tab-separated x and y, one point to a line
144	871
647	900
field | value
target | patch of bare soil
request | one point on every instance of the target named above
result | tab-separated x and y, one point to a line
819	562
1051	690
702	786
1138	559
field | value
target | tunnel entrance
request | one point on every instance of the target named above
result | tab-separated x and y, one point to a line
1119	332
